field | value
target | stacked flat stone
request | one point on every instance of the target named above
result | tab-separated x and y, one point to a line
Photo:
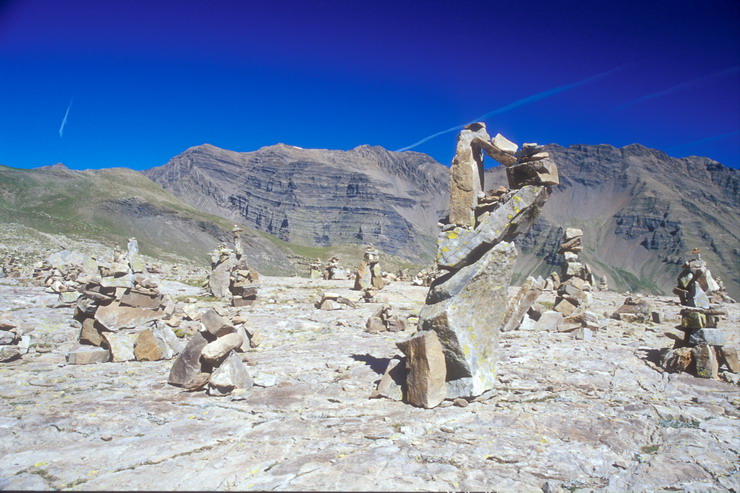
703	347
231	278
212	358
467	304
576	280
122	319
369	274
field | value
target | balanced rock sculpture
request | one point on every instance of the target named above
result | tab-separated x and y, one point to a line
467	304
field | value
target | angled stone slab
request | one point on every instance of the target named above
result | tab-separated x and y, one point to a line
467	310
461	246
187	365
114	316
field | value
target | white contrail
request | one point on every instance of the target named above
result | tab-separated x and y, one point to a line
705	139
521	102
64	120
678	87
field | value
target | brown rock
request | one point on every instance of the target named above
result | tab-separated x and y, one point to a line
677	360
728	356
187	365
114	317
140	299
466	175
232	374
215	351
426	386
90	333
374	325
147	347
215	324
707	365
565	307
198	382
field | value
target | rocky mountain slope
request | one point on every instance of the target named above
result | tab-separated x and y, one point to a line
318	197
111	205
641	212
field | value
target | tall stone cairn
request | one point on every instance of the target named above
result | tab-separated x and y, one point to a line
467	304
231	277
576	279
703	349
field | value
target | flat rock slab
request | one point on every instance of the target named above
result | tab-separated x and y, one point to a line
114	317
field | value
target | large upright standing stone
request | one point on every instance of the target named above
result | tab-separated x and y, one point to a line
467	306
134	259
427	369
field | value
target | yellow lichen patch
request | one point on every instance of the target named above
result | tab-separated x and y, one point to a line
445	249
509	216
517	198
452	235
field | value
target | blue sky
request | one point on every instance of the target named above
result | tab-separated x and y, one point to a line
140	82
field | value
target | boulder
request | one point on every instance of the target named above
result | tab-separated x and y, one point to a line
728	356
427	371
677	360
140	299
466	175
121	345
9	353
215	351
220	279
537	172
230	375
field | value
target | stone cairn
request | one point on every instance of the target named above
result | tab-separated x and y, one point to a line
334	271
314	270
576	281
231	278
11	268
369	274
702	350
212	358
122	314
383	320
454	353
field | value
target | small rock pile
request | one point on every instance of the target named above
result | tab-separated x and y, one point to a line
314	270
574	290
425	277
332	301
634	309
13	345
369	274
334	271
122	319
703	350
11	268
383	320
231	277
212	358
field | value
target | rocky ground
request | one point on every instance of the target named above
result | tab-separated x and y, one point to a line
568	414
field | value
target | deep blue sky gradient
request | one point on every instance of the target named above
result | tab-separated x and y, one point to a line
150	79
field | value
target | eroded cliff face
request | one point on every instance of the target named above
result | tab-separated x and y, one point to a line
641	212
318	197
